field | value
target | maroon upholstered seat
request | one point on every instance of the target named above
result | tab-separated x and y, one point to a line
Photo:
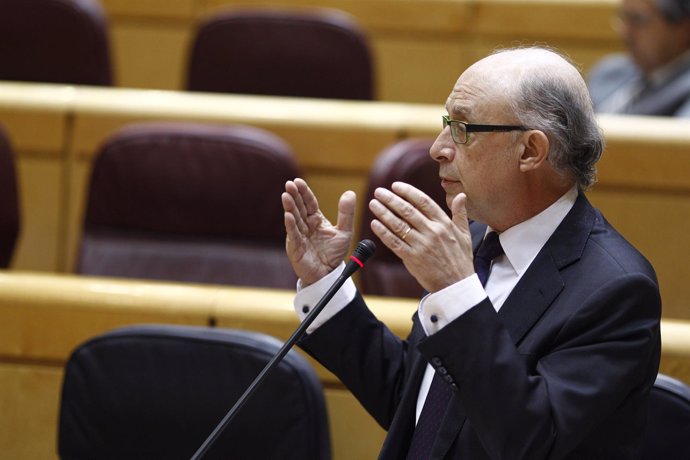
9	201
321	53
189	202
54	41
407	161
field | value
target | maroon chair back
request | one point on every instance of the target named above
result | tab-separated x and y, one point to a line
9	201
406	161
54	41
189	202
321	53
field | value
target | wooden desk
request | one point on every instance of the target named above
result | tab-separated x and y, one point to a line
43	317
643	188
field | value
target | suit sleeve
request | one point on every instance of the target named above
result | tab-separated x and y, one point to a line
368	358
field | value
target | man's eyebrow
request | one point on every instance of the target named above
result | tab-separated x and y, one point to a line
459	110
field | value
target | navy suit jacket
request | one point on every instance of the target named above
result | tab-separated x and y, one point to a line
563	370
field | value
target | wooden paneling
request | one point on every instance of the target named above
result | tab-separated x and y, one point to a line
29	401
419	46
36	121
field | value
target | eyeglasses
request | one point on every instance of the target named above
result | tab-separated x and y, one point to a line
460	131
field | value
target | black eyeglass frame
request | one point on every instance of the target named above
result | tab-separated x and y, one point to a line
478	128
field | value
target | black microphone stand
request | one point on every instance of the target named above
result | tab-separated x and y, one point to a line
364	250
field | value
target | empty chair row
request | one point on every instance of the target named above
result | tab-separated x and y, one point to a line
318	53
197	202
201	203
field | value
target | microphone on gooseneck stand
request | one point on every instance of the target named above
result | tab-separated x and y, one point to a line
364	250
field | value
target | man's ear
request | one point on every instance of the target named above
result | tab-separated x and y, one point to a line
535	150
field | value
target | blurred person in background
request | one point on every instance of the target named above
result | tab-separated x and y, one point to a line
653	77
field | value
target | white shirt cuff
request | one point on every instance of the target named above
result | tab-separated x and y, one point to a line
438	309
307	298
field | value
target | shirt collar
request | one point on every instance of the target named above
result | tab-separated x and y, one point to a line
522	242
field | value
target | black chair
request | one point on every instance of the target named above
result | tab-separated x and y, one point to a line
9	201
319	53
407	161
157	392
54	41
668	426
189	202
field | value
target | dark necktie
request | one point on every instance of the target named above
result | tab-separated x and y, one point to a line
437	400
487	252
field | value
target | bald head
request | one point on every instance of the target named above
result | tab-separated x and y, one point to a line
546	92
509	70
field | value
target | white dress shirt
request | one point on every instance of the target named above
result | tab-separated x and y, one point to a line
521	244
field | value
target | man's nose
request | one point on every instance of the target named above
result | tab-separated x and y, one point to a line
443	148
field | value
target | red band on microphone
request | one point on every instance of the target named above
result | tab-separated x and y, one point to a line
357	261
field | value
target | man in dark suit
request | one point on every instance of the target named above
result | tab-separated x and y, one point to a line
653	78
542	344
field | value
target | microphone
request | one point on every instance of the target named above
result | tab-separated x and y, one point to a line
363	251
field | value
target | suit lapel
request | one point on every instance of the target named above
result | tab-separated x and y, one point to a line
542	282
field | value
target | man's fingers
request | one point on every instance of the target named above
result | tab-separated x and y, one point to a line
311	204
418	199
291	227
297	194
387	237
393	223
346	211
459	211
294	204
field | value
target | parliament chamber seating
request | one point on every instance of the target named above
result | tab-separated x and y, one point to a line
316	53
9	201
158	391
408	161
189	202
668	425
57	41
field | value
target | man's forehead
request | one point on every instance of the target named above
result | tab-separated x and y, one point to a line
469	97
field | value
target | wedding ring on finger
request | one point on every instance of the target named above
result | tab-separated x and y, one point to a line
404	235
